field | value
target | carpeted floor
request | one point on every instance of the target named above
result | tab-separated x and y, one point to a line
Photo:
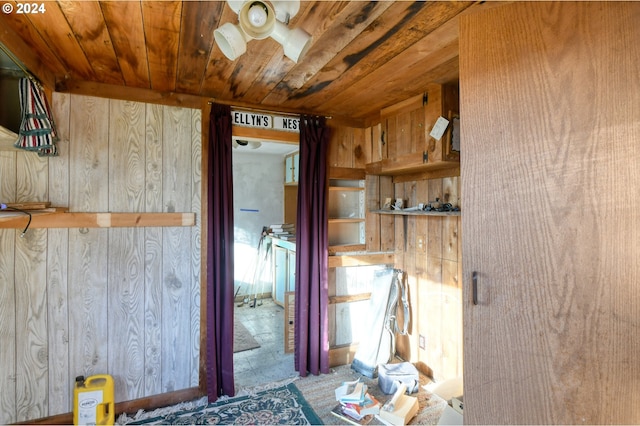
283	405
242	339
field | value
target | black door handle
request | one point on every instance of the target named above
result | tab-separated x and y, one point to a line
474	287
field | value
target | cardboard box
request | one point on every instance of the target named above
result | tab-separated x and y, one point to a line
406	407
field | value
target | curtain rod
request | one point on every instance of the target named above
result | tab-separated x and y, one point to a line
16	61
295	114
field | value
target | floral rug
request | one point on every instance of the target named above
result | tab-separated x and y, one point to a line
284	405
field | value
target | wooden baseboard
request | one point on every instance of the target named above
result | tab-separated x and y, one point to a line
147	404
342	355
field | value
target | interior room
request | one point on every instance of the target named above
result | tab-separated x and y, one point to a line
259	202
450	187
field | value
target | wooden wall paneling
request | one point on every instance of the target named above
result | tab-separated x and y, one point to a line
88	248
59	400
451	190
421	229
176	300
451	309
59	166
404	345
88	295
126	311
387	227
433	308
434	226
126	249
154	119
8	181
7	296
84	286
31	325
60	397
372	220
87	147
450	226
31	295
400	224
7	319
31	177
126	156
196	206
153	250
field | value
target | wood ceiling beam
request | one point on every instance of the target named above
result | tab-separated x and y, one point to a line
137	94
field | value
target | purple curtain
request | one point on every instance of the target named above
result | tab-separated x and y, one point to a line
220	256
312	298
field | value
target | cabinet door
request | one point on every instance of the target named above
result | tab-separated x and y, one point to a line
291	168
291	276
550	187
280	274
288	169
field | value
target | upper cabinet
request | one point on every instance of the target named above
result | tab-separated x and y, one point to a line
291	168
420	136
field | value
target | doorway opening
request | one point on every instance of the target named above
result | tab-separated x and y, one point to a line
259	201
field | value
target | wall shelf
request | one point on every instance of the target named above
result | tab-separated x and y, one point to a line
415	213
346	215
58	217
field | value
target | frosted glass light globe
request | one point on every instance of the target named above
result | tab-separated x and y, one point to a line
257	15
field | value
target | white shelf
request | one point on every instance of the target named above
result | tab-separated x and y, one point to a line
415	213
346	213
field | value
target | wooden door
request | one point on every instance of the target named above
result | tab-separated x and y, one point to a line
550	113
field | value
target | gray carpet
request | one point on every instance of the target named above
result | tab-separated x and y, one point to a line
242	338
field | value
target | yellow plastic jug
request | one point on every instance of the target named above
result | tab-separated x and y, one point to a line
93	402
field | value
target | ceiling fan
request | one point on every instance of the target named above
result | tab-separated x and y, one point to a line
259	20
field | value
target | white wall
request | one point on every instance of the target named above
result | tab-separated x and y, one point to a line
258	194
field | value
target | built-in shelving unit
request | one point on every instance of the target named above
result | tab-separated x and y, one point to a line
346	215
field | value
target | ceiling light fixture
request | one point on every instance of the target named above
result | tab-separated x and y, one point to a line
259	20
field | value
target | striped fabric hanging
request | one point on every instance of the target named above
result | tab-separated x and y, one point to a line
37	129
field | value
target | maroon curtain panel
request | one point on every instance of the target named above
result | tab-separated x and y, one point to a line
312	296
220	256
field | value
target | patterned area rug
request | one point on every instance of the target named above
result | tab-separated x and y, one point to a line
284	405
242	338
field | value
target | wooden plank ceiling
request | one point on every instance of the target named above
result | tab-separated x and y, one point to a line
365	56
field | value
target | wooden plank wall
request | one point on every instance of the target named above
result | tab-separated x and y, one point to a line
433	274
122	301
